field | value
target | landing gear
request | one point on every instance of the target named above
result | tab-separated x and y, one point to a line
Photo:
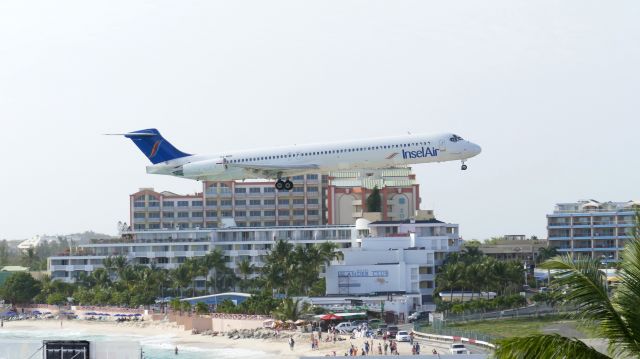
463	167
284	185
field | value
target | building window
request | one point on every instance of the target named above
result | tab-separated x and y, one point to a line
313	212
254	202
226	213
298	201
312	201
140	198
312	189
197	214
225	202
241	190
254	213
298	189
212	214
183	214
401	200
241	213
269	213
167	214
183	203
254	224
298	212
154	204
283	213
139	215
254	190
241	202
312	177
269	224
154	226
268	189
168	203
269	202
212	224
283	201
212	202
196	203
154	214
297	178
138	204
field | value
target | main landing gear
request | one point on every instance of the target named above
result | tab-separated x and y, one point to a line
284	185
463	167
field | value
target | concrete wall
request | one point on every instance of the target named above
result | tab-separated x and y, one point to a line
225	325
217	324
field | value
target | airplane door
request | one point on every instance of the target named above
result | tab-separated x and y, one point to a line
442	145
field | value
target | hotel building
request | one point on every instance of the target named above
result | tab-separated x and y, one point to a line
592	229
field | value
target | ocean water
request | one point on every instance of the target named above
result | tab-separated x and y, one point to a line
23	344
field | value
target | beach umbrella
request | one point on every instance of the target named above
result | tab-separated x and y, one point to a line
137	315
90	313
8	314
36	312
330	316
105	314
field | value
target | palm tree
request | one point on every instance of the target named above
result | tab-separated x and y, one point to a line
291	309
617	316
246	269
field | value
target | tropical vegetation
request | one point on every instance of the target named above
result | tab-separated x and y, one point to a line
289	270
472	271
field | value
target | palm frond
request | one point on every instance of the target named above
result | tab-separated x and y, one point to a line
586	288
546	346
627	294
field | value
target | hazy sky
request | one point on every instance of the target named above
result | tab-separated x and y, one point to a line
549	89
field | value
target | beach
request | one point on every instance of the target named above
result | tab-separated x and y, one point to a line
161	338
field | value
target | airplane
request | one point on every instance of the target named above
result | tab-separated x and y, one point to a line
280	163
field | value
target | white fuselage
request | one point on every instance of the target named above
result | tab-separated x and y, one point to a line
280	162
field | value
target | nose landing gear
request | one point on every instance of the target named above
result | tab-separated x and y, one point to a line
463	167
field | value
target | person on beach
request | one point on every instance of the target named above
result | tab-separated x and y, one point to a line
417	348
291	343
176	351
386	347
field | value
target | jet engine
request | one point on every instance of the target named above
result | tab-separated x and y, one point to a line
204	168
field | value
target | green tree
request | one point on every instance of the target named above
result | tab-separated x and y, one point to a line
20	288
226	306
202	308
290	309
246	269
4	253
617	316
374	201
56	299
185	306
175	305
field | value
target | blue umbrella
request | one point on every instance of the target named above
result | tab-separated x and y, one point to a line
36	312
9	314
90	313
137	315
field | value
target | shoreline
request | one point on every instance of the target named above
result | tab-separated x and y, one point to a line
175	335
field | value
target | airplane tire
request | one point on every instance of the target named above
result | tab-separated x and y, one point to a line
279	185
464	167
288	185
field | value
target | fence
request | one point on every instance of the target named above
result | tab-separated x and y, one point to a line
530	311
439	328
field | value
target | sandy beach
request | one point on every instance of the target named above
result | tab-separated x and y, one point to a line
176	336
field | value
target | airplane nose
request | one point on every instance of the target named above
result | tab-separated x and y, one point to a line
475	149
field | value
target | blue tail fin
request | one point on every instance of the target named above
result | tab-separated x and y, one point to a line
154	146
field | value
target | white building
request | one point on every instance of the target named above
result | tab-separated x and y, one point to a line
394	258
171	247
592	229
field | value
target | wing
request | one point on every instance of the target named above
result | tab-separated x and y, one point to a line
274	171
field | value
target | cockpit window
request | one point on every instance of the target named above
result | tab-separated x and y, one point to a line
455	138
